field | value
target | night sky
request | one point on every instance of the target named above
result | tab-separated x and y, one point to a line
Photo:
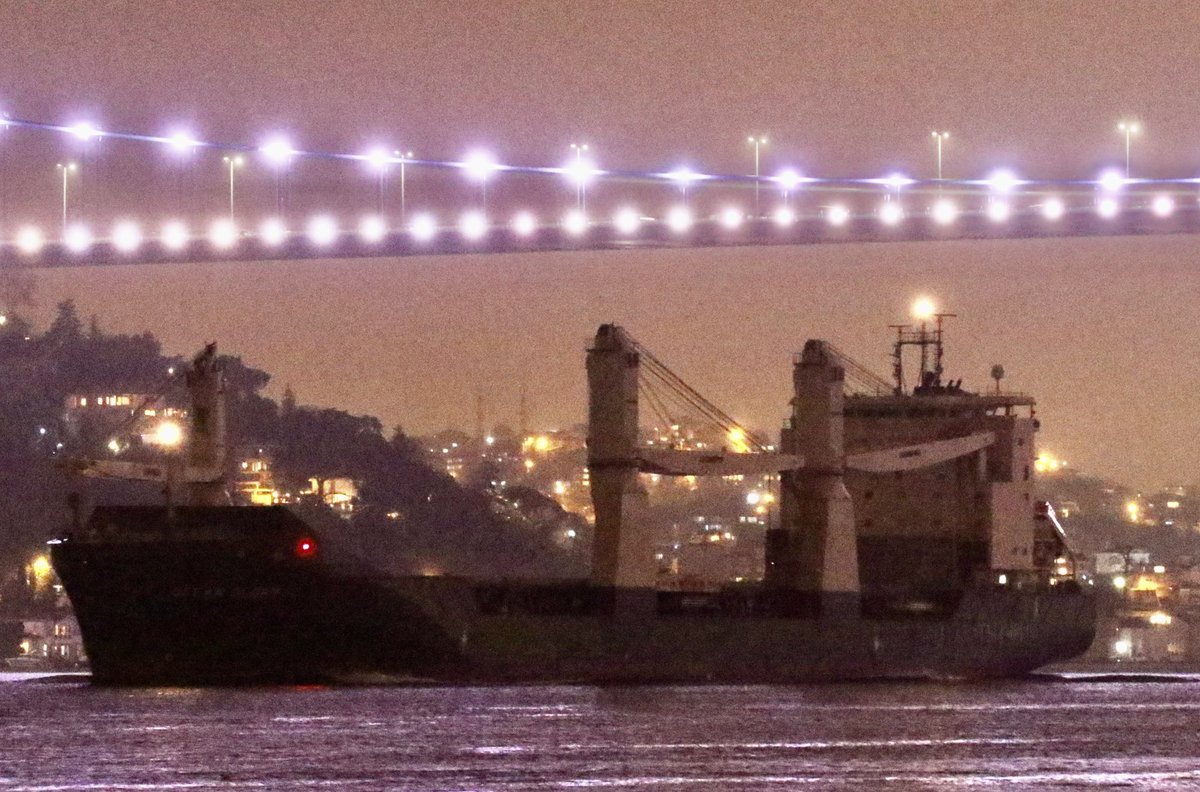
1103	331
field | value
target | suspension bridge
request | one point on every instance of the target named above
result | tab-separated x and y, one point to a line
608	208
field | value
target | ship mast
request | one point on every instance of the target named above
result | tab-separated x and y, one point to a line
928	340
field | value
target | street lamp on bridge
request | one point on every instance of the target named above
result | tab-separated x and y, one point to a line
1129	129
939	138
580	172
67	169
757	142
405	157
233	163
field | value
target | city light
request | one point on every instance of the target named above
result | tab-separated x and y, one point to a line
372	229
731	218
167	434
1160	619
944	212
78	238
1163	206
423	227
679	219
627	221
126	236
891	213
473	226
1053	209
838	215
41	569
272	232
1119	582
322	230
1108	208
998	211
223	234
174	235
524	224
575	223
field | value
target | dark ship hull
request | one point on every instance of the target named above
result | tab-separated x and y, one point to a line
234	596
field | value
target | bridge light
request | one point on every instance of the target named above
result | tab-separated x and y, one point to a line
944	212
423	227
322	231
627	221
84	130
30	240
1003	182
784	217
1108	208
579	170
126	236
479	165
789	180
575	223
272	232
278	151
372	229
679	219
182	142
524	224
1053	209
1163	206
223	234
731	218
891	213
683	178
78	238
1111	181
897	181
838	215
473	226
378	159
998	211
174	235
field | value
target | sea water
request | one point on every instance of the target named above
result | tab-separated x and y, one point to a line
1048	733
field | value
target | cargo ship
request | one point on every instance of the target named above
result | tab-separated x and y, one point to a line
909	545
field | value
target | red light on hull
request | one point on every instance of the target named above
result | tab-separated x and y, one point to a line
306	548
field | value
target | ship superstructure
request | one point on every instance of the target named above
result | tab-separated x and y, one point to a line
908	546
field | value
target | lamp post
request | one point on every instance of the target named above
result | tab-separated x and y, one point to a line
233	162
758	142
67	169
939	138
580	178
1129	129
404	157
